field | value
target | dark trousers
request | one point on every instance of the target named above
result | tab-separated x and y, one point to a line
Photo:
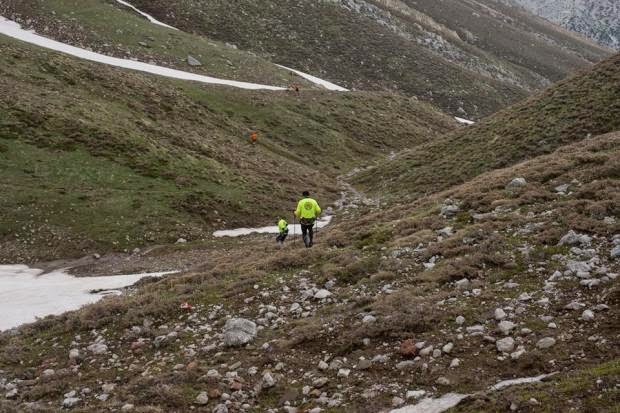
282	236
307	229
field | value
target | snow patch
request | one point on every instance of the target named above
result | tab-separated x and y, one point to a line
26	293
464	121
294	229
148	16
430	405
317	81
508	383
14	30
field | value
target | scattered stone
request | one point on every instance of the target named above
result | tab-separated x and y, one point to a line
369	319
74	354
615	252
127	407
506	327
447	348
181	241
587	315
239	331
322	294
98	348
460	320
505	345
443	381
415	394
455	363
426	351
500	314
364	364
268	380
344	373
574	305
70	402
546	342
202	398
572	238
516	183
192	61
397	401
562	189
462	284
323	365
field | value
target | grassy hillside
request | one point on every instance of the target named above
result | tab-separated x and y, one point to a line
476	56
584	105
100	26
383	300
100	158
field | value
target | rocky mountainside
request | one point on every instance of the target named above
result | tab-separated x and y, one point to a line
598	20
572	110
465	57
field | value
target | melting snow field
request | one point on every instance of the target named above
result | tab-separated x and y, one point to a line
293	229
148	16
317	81
14	30
26	293
464	121
449	400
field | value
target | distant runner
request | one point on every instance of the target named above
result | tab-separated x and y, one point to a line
283	228
308	210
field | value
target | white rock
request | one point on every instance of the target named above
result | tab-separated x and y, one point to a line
562	188
322	294
74	354
426	351
11	393
477	329
524	297
436	353
397	401
127	407
505	345
517	183
70	402
181	241
462	284
108	387
202	398
460	320
506	327
517	354
98	348
344	373
546	342
447	348
239	331
574	305
48	372
615	252
268	380
415	394
323	365
369	319
587	315
455	363
192	61
500	314
572	238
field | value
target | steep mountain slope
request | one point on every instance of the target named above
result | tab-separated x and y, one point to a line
409	300
98	26
98	157
468	56
584	105
597	19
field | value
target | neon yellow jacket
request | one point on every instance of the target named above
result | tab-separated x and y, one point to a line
282	225
307	208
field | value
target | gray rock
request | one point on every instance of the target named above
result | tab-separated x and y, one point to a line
574	305
220	408
70	402
239	331
460	320
98	348
405	365
546	342
127	407
506	327
587	315
615	252
572	238
562	188
202	398
268	380
500	314
322	294
369	319
447	348
505	345
517	183
192	61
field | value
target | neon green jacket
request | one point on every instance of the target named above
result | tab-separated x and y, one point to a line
307	208
282	225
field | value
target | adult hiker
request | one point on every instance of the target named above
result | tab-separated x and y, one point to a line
283	231
308	210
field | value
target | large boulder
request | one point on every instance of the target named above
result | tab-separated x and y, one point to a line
239	331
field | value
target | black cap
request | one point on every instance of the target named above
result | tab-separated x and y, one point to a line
306	193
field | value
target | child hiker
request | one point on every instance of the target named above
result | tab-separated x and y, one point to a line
283	228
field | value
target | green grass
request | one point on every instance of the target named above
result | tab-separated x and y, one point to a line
176	157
